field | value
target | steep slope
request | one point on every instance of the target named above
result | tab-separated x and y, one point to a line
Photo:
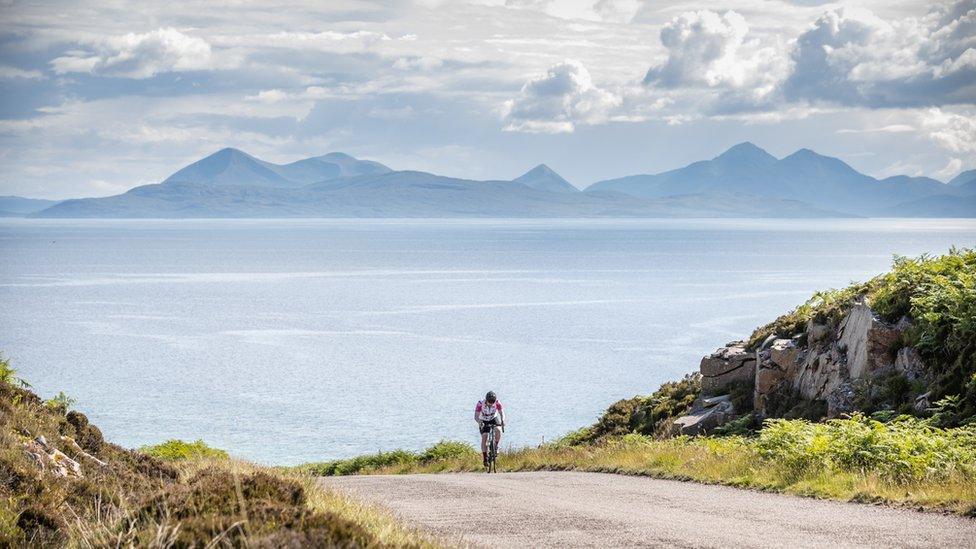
543	178
963	178
231	167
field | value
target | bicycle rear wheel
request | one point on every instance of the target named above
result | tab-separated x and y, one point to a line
492	456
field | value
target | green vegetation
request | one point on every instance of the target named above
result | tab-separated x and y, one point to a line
444	450
61	403
447	449
62	485
178	450
8	375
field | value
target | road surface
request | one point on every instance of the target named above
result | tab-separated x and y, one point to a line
569	509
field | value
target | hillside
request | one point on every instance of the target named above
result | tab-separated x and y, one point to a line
63	485
804	176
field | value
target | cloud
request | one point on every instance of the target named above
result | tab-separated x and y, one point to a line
558	100
892	128
138	55
852	57
621	11
325	41
954	132
13	73
426	63
708	49
953	167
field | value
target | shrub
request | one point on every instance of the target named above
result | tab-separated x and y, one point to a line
447	449
178	450
903	450
61	403
361	463
8	375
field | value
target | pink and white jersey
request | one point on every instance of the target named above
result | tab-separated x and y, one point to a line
487	412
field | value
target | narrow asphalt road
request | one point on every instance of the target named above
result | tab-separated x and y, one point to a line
568	509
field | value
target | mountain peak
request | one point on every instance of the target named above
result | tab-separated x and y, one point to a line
543	178
746	150
336	156
541	169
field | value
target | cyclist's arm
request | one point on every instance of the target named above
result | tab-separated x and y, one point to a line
477	413
501	415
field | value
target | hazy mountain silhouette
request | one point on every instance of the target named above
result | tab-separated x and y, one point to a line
963	178
744	181
543	178
17	206
805	176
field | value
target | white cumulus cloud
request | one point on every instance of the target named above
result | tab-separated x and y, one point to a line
953	131
136	55
559	100
708	49
851	56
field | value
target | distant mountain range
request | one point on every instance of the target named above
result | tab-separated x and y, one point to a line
805	176
744	181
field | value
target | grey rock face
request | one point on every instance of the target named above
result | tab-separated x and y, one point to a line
867	341
822	364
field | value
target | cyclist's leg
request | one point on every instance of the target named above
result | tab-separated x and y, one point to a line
498	437
484	441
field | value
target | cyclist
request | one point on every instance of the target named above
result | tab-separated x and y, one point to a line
489	415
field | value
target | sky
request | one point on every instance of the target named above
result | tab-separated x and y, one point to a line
99	97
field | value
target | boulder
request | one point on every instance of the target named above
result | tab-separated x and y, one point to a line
704	420
783	353
726	366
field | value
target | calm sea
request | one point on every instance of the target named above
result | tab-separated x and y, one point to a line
286	341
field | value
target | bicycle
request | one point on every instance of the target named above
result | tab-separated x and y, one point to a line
492	466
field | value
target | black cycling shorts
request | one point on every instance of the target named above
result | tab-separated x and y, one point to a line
487	425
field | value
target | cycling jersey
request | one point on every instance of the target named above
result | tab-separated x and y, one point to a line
488	412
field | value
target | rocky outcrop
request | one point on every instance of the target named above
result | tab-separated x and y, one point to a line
48	458
726	366
823	365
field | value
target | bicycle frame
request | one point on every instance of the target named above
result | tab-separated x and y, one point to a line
492	450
